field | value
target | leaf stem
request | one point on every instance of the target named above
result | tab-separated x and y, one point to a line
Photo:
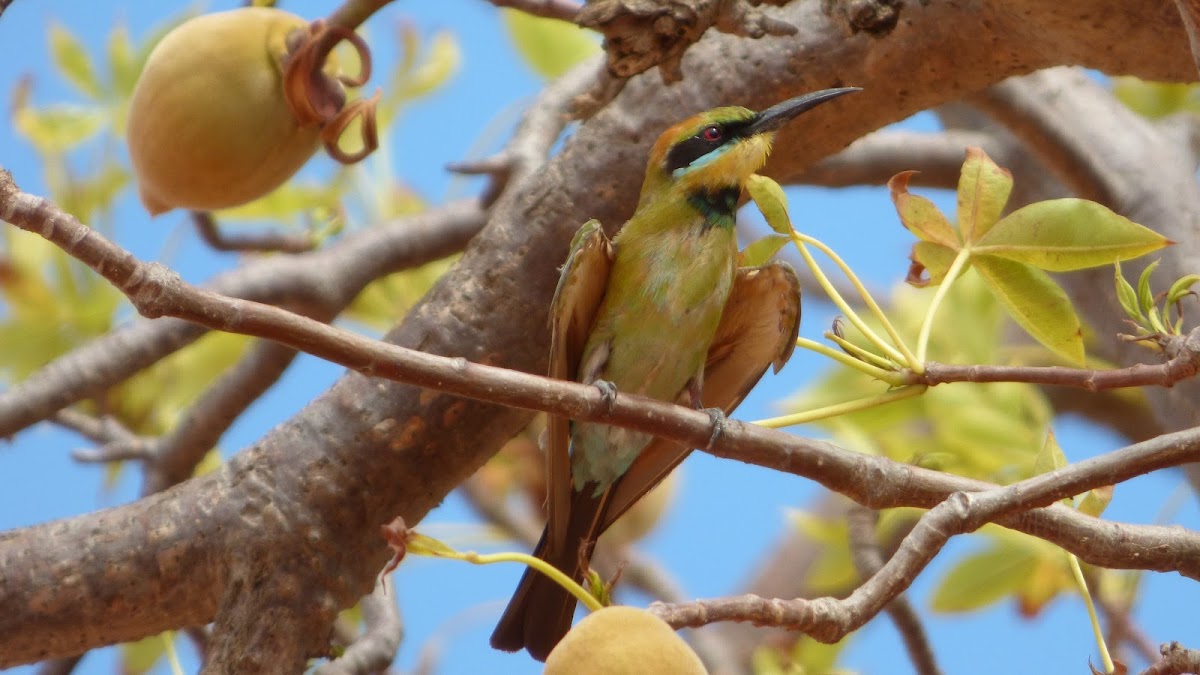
927	326
531	561
891	377
901	353
842	408
1105	657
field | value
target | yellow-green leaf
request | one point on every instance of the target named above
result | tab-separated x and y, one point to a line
1181	288
761	250
920	215
139	657
1155	99
1127	296
1068	234
1051	457
441	61
1036	303
983	189
1096	500
550	47
771	202
122	61
930	263
55	129
1144	293
983	578
72	61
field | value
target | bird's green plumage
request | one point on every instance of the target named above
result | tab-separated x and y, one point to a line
671	276
642	314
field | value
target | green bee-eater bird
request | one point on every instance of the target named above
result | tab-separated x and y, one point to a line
662	311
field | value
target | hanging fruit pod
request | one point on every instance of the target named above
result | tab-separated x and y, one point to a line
231	104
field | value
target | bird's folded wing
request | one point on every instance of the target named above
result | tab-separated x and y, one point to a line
577	298
758	329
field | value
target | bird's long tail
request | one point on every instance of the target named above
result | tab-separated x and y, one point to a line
540	612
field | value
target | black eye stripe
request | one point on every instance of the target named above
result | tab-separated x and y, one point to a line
685	152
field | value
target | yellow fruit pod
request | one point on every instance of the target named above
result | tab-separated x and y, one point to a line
621	640
210	122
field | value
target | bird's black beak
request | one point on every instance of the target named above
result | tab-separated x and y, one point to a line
780	114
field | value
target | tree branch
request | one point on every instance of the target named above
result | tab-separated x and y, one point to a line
376	648
297	516
1176	660
327	279
868	560
563	10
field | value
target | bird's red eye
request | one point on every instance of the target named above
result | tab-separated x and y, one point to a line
711	134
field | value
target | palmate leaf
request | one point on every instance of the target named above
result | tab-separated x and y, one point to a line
983	190
1062	235
1036	303
920	215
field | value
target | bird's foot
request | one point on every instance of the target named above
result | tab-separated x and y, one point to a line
718	422
608	393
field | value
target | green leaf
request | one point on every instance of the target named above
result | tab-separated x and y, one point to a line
930	262
1051	457
920	215
549	46
1127	296
55	129
759	252
1144	292
1036	303
122	61
441	62
1068	234
771	202
983	190
1155	99
1096	500
72	61
1182	288
139	657
983	578
287	202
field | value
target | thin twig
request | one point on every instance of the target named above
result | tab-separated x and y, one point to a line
1184	363
563	10
286	242
868	560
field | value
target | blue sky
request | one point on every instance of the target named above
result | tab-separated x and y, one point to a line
453	604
